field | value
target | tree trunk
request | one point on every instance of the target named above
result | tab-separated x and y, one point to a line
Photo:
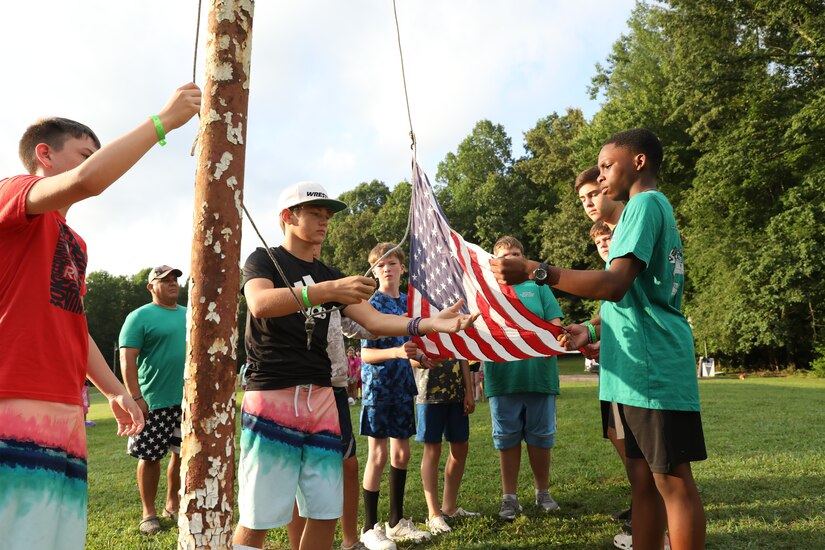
208	430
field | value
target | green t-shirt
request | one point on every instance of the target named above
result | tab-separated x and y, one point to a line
646	341
160	335
536	375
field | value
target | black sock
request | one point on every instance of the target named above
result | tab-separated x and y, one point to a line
398	479
370	509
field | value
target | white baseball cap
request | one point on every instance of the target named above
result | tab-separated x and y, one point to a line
308	192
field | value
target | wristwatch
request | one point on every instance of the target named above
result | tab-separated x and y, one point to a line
540	273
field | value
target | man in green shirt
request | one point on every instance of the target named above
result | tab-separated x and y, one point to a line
651	371
152	357
522	397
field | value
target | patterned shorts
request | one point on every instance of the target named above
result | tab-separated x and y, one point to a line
160	435
290	450
388	420
43	487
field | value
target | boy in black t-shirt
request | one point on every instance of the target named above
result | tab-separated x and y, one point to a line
290	441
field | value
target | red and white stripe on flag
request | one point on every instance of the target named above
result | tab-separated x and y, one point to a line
443	268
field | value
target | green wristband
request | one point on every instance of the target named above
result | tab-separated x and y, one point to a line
592	332
159	129
305	296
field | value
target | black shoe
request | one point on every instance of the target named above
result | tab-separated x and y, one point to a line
624	515
626	528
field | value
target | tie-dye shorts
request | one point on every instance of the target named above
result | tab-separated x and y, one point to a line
43	487
290	449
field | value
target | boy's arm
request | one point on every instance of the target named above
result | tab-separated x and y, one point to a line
127	413
448	321
108	164
469	401
610	285
377	355
265	301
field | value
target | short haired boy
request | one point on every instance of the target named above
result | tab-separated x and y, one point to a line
522	397
290	439
387	408
651	370
43	330
443	405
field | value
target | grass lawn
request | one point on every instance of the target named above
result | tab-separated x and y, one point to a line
763	485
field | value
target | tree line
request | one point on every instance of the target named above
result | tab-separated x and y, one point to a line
735	90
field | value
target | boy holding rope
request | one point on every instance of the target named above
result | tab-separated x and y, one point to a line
290	441
43	331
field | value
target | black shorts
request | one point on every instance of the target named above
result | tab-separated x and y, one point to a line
345	420
610	415
663	438
160	435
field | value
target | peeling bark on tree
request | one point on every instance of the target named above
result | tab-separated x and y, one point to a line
208	430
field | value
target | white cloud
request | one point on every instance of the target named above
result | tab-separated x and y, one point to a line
326	99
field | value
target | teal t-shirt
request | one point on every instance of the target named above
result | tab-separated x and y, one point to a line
536	375
160	335
646	341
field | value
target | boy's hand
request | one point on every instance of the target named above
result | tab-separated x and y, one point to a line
469	403
591	351
183	105
574	337
350	290
128	415
450	320
512	270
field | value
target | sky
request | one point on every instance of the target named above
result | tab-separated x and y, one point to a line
326	95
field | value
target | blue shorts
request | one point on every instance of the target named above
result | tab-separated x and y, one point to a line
345	420
523	416
437	419
385	420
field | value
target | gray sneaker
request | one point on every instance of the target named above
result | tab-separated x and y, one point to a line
545	501
510	508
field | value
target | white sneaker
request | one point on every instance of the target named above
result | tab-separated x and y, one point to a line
462	513
406	530
351	401
625	542
438	525
545	501
375	539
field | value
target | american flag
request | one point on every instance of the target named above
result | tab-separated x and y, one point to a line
445	268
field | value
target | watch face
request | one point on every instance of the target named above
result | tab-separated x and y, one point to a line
540	274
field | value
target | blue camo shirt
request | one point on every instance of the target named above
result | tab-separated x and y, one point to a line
391	381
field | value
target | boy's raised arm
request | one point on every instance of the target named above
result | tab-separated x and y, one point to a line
105	166
449	320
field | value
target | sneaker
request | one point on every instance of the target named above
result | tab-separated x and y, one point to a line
461	513
90	423
623	541
351	401
545	501
510	508
405	530
375	539
357	546
438	525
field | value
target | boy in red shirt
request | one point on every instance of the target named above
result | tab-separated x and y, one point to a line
43	331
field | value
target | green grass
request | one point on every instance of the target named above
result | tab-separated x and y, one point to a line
763	485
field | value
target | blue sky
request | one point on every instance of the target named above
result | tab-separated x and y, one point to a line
326	99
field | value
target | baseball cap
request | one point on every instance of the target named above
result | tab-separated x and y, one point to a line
308	192
162	271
